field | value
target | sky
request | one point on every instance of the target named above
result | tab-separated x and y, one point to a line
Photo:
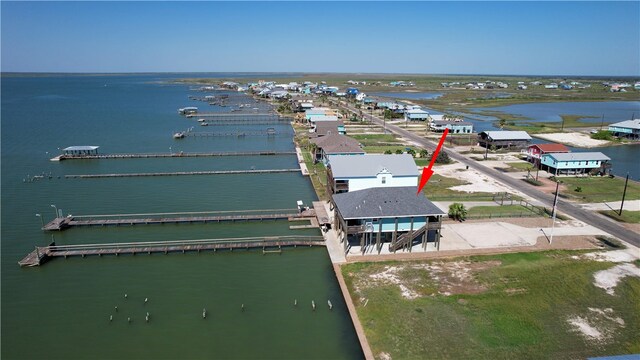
519	38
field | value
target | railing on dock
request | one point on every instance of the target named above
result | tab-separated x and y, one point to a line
41	254
182	173
172	155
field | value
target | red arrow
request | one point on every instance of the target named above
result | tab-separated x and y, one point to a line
427	172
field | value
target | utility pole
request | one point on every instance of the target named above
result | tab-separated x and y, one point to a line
602	122
624	193
553	213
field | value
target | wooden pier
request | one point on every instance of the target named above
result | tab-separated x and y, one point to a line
231	115
171	155
41	254
59	224
236	133
244	122
181	173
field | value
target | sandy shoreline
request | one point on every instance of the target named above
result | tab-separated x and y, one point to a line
573	139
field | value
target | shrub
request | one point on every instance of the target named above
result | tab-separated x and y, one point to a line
578	189
398	151
388	152
602	135
443	158
457	211
412	152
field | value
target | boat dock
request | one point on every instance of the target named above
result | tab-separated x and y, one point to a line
182	173
63	223
230	115
244	122
236	133
170	155
41	254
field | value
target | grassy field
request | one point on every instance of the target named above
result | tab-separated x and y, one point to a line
438	189
627	215
515	306
500	211
520	166
598	189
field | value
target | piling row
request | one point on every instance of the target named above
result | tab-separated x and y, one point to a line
181	173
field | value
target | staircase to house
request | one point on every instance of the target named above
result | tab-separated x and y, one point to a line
407	238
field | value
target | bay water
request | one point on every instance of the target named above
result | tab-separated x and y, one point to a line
61	310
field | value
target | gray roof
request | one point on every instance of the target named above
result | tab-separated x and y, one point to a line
631	124
579	156
338	144
81	148
370	165
384	202
324	127
452	123
508	135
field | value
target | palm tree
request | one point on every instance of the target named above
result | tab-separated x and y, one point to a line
457	211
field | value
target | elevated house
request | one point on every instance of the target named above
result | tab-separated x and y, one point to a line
574	163
628	129
334	144
352	173
455	127
536	151
416	115
504	139
323	128
377	216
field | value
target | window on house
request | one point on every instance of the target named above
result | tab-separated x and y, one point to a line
384	179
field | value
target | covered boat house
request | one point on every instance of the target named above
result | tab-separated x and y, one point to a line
395	216
72	151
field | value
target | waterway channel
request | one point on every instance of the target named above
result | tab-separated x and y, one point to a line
61	310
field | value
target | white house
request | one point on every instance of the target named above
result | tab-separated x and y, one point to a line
350	173
416	115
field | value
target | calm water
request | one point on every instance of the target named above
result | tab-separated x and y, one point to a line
409	95
61	310
613	111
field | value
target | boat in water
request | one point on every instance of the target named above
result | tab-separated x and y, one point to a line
178	135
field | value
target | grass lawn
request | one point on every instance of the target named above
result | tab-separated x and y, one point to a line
520	166
513	306
380	149
627	215
500	211
598	189
438	189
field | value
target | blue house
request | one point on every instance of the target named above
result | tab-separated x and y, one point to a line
416	115
395	216
352	91
574	163
628	129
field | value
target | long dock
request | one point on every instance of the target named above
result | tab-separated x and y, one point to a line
236	133
171	155
245	122
182	173
59	224
232	115
41	254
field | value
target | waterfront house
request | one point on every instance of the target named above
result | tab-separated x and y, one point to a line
536	151
323	128
377	216
416	115
628	129
504	139
455	127
351	173
574	163
334	144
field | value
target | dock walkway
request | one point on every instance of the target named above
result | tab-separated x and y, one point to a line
171	155
182	173
59	224
42	254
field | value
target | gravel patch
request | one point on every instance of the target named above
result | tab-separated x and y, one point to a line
608	279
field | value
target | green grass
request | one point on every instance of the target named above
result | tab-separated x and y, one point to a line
500	211
627	215
598	189
380	149
522	314
317	174
438	189
520	166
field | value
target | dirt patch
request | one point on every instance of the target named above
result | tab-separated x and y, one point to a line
573	139
384	356
415	280
599	325
608	279
611	256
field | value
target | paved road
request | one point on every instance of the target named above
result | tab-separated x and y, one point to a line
588	217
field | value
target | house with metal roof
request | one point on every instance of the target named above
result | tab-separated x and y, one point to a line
371	218
352	173
455	127
504	139
535	151
574	163
335	144
628	129
416	115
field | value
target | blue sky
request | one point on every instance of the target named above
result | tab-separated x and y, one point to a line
543	38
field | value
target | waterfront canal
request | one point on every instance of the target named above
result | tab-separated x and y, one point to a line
62	310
